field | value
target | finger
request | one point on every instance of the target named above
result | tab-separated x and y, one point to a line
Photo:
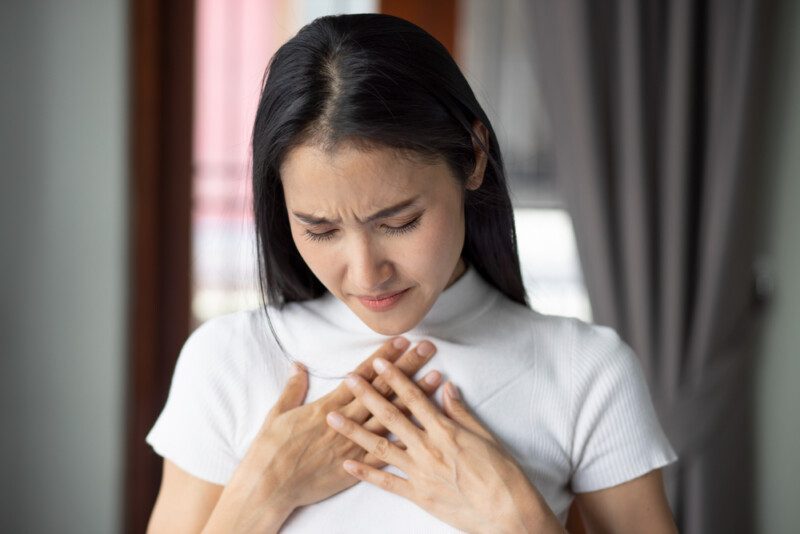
380	447
429	383
390	350
455	408
409	363
293	394
376	462
386	481
410	395
387	413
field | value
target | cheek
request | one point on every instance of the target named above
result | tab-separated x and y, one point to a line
449	230
440	240
316	257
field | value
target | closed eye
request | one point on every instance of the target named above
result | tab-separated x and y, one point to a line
390	230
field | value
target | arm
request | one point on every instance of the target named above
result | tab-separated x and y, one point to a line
265	486
627	507
623	508
184	502
267	517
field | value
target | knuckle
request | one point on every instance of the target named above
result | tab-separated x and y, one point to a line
435	453
325	406
390	415
410	362
386	482
320	411
381	448
414	397
381	386
449	431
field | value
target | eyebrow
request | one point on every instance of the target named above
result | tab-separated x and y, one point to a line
385	212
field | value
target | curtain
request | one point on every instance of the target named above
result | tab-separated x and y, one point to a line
653	119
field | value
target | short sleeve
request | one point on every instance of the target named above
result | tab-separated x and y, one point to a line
196	426
617	435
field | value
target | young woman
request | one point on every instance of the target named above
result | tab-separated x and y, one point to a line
382	216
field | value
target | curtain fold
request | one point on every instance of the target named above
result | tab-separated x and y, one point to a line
653	119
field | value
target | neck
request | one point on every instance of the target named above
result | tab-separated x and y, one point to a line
460	269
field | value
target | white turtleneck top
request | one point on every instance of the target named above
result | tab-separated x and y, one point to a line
568	399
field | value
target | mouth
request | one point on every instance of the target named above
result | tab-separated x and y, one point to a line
383	302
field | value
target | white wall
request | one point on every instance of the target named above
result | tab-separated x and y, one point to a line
63	255
778	380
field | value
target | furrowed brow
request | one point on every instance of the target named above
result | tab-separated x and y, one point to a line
386	212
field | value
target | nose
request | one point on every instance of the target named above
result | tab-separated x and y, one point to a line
369	270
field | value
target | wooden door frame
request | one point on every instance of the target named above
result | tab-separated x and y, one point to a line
161	67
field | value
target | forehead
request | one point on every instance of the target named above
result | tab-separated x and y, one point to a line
362	179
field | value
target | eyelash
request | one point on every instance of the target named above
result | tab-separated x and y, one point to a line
391	230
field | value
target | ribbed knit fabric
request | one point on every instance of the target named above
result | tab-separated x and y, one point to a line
566	398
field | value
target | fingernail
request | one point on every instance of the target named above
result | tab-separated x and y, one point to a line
296	368
351	381
349	466
400	343
452	390
335	419
425	348
432	377
379	364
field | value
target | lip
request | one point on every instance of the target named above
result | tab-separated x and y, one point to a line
384	302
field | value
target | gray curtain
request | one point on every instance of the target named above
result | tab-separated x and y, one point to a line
651	105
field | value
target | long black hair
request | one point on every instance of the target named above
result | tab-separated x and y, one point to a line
373	80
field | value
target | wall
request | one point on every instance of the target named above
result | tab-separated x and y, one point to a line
778	379
63	255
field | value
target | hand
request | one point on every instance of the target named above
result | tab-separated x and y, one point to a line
457	470
296	459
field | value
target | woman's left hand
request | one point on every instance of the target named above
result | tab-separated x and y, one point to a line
456	469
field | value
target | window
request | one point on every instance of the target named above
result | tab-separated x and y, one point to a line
494	52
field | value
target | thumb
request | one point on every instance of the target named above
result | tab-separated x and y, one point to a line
456	410
293	394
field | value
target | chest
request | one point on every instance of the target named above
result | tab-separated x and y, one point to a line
519	396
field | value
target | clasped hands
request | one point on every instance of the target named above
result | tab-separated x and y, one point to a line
457	470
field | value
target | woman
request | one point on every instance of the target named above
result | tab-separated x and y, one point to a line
382	210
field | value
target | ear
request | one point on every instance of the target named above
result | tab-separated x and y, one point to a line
476	178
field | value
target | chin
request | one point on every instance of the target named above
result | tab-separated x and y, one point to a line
389	327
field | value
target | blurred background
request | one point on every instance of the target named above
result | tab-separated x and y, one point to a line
652	154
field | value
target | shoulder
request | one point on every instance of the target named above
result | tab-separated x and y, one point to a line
587	355
555	332
226	345
602	358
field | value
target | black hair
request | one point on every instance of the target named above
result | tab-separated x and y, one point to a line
374	80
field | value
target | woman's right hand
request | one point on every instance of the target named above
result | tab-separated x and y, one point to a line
296	458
